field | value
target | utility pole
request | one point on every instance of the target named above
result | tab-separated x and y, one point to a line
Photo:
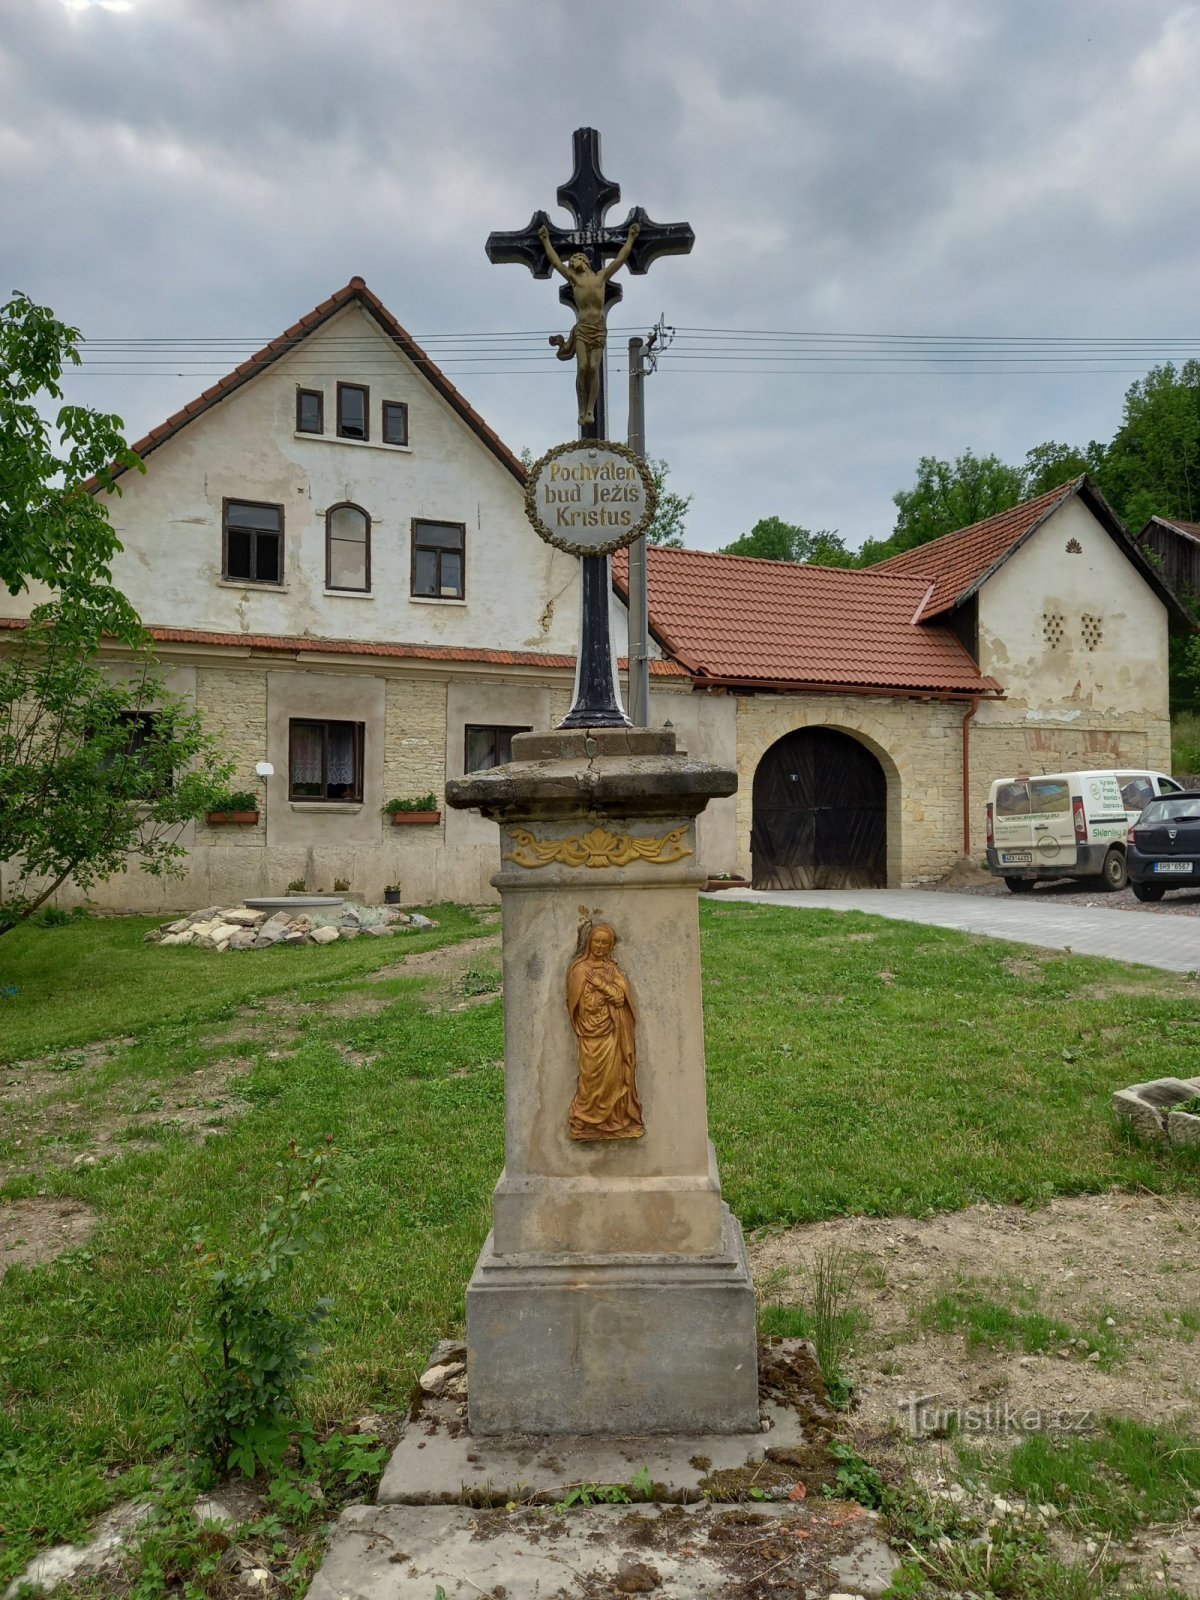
639	609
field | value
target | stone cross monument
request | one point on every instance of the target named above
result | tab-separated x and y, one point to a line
613	1294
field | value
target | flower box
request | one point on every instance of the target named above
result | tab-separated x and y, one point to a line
220	819
401	819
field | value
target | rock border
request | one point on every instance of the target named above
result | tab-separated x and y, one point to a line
244	928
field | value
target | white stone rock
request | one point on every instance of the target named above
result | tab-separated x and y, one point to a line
258	1579
242	940
222	930
352	933
270	933
418	921
244	917
324	935
175	938
433	1380
177	927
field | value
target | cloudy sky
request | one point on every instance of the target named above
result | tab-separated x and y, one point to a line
1020	170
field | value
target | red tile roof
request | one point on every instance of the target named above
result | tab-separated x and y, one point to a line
355	291
737	620
957	563
301	644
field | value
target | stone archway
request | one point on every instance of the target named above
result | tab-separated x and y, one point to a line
820	814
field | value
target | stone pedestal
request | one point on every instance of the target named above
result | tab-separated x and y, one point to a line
613	1294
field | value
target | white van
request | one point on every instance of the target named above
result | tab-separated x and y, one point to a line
1066	824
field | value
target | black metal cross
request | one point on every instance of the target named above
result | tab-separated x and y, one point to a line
589	195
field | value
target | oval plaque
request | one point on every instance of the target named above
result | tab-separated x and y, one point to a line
590	497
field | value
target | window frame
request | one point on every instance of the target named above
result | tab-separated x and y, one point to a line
494	728
433	522
343	588
261	505
319	396
385	407
365	390
325	798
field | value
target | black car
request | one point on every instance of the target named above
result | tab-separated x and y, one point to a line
1163	850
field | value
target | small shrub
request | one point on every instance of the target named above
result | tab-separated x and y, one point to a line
51	917
298	886
250	1354
421	802
340	885
235	800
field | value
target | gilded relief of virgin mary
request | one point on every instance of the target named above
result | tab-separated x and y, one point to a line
606	1104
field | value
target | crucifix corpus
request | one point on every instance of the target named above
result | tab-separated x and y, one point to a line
592	523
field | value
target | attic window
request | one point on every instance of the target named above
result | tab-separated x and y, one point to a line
1074	548
395	422
1092	630
1052	628
353	401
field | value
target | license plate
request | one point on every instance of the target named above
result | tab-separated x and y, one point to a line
1016	858
1172	866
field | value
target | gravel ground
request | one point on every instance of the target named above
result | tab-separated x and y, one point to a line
1079	892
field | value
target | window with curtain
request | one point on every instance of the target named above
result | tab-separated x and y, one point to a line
325	760
347	548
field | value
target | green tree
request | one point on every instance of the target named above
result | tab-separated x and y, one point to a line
1051	464
945	497
53	529
1152	467
773	539
671	511
98	765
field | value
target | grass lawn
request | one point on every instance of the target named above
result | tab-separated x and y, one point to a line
855	1065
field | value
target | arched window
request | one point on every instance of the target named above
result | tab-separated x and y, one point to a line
347	548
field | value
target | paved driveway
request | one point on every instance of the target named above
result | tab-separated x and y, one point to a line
1172	943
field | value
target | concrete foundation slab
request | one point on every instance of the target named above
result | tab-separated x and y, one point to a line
675	1553
438	1462
613	1344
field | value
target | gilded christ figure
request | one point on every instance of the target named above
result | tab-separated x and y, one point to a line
587	338
606	1104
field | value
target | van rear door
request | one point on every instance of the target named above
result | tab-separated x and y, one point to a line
1051	822
1012	832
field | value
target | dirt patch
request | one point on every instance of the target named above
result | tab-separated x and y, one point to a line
1022	967
33	1232
444	961
76	1133
1120	1272
965	874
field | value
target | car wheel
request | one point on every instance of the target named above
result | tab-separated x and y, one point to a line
1113	874
1019	885
1147	891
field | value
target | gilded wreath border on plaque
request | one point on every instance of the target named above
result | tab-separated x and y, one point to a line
599	447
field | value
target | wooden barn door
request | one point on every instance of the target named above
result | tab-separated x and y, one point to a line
820	814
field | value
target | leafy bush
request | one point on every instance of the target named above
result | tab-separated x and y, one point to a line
249	1352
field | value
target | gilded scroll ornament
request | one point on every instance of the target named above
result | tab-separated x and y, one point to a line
606	1104
599	848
